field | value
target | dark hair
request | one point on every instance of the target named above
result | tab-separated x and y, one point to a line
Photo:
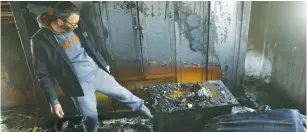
64	9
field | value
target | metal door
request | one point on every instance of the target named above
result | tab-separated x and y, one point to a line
157	32
164	39
191	28
122	39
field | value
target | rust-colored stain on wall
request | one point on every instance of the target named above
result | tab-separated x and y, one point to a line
198	74
187	74
125	74
11	97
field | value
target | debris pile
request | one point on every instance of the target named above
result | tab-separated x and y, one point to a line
25	119
243	118
174	97
167	99
204	93
136	124
17	120
24	122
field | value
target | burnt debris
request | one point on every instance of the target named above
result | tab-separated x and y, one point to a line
136	124
280	120
169	98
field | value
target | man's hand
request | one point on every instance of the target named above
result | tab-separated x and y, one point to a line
57	109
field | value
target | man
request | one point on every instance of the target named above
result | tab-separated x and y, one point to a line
63	51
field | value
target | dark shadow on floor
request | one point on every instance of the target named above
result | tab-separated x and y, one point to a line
268	94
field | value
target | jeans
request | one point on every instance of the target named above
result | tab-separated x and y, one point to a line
106	84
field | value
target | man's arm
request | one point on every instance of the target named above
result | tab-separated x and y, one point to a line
41	72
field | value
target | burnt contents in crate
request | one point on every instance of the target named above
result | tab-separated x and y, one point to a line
169	98
183	107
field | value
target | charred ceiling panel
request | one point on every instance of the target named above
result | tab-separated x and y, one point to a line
122	39
157	33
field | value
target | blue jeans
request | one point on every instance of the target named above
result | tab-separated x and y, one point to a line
106	84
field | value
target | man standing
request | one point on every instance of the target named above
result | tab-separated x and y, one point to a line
63	51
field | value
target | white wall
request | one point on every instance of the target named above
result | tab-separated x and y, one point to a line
277	46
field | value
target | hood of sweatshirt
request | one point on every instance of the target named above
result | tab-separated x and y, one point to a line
44	20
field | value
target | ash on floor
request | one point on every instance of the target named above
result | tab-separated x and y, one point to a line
263	93
22	120
17	120
136	124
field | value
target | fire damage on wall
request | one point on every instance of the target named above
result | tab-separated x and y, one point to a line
180	107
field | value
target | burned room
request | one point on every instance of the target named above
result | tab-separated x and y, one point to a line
153	66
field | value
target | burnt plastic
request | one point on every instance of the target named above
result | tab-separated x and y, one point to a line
280	120
175	115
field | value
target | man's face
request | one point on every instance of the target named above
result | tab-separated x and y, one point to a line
71	23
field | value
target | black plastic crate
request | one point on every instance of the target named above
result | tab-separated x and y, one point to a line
190	120
179	107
